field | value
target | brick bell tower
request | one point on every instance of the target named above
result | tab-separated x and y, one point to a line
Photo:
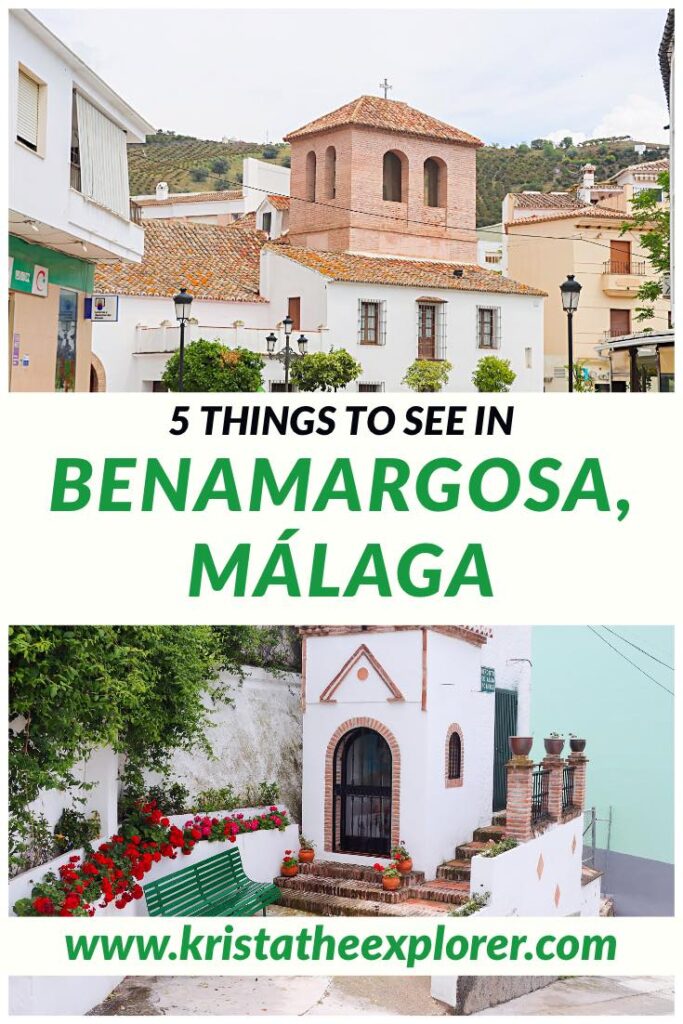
381	178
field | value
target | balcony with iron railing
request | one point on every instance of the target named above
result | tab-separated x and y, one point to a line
635	267
622	278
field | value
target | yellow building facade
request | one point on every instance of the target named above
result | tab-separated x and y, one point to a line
542	250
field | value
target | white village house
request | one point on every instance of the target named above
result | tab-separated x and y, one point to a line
375	252
405	736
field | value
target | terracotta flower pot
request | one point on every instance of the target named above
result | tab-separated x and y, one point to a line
306	856
577	746
520	745
289	872
390	884
553	745
405	866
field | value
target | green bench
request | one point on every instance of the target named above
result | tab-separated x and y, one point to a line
214	887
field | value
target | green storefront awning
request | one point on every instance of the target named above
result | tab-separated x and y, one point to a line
67	271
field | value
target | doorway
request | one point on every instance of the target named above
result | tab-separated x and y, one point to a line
505	726
362	793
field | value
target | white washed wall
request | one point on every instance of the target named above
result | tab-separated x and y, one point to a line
258	739
523	881
521	328
40	184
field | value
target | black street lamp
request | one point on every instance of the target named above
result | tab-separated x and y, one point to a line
570	291
183	304
302	342
271	342
287	323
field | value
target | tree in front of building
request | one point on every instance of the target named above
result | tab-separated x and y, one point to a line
427	375
325	371
212	366
493	374
651	216
582	378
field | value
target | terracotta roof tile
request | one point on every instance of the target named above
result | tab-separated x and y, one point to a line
211	261
190	197
344	266
649	167
390	115
545	200
581	213
279	202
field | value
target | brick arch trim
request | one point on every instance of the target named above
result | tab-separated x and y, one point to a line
99	371
337	735
453	783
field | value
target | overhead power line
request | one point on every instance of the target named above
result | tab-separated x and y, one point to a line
641	649
633	663
414	220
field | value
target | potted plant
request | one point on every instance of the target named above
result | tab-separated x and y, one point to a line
520	745
554	744
401	857
306	850
290	865
391	876
576	745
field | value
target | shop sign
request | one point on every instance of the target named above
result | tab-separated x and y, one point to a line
27	277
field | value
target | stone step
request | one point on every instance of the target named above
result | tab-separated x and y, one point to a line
589	875
348	887
498	818
344	906
441	891
489	832
469	850
360	872
454	871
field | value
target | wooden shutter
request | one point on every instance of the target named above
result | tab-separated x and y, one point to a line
294	312
27	110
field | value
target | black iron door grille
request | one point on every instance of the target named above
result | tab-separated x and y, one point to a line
363	793
506	726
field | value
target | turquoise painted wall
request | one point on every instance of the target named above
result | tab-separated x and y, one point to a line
581	686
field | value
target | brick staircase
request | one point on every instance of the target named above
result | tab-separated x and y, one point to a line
331	888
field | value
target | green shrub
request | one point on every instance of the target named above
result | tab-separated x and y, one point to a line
502	846
212	366
427	375
219	166
75	830
199	174
325	371
222	798
38	846
493	374
476	902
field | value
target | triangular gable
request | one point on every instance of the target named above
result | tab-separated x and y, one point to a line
363	652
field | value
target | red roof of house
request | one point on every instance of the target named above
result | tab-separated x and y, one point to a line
390	115
210	260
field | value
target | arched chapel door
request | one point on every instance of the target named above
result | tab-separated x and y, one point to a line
362	793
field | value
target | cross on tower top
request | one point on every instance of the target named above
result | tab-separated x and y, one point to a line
386	87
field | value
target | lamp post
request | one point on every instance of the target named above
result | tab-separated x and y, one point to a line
183	304
570	291
287	324
286	354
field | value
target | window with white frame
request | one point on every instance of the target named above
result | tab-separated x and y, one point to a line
29	105
493	257
488	326
372	321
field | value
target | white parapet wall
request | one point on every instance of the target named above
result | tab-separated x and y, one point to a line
540	878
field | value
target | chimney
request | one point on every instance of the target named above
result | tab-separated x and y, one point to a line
162	190
585	189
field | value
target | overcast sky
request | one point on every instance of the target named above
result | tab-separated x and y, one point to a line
506	76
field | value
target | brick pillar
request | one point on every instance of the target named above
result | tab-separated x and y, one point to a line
518	809
555	766
579	762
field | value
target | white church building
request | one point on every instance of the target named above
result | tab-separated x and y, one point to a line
374	251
